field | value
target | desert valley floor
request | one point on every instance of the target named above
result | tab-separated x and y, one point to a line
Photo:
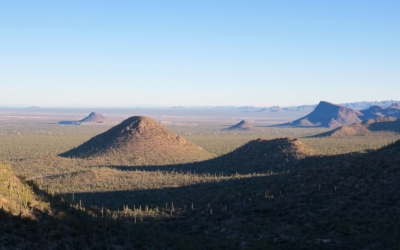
195	181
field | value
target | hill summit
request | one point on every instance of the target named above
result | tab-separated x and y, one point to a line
327	115
242	125
140	141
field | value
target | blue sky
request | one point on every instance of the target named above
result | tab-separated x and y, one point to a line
261	53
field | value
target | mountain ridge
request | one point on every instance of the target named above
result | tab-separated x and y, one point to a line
368	127
331	115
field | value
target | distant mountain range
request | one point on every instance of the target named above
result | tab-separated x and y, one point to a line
301	108
309	108
332	115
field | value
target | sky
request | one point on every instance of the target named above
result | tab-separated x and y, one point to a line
198	53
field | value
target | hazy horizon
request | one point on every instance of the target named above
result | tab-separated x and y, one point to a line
150	106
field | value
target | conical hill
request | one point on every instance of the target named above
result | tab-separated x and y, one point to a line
94	117
242	125
261	155
140	141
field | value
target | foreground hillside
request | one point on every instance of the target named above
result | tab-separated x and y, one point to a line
266	194
325	202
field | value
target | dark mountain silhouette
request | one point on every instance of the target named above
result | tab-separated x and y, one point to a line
242	125
327	115
389	124
141	141
91	118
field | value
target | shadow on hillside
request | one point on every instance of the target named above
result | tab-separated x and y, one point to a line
392	126
347	200
225	187
223	180
257	156
200	194
215	166
169	218
78	225
227	165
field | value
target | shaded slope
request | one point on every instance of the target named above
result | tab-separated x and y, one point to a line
141	141
327	115
242	125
